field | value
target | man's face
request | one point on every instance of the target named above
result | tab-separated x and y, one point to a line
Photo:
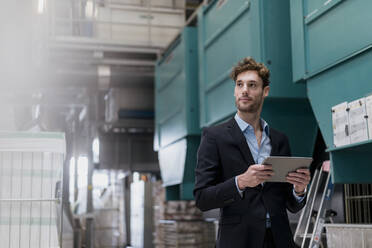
249	94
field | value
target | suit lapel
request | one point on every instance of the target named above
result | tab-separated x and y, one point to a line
239	138
274	144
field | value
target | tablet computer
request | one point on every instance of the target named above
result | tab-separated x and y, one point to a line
283	165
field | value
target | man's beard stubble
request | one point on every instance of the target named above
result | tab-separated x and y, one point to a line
253	108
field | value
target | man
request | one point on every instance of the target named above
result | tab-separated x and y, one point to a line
230	176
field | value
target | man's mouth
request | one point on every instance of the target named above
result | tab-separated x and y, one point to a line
245	99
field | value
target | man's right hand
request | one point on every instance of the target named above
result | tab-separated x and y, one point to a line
254	175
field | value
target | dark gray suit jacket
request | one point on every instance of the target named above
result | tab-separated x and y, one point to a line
223	154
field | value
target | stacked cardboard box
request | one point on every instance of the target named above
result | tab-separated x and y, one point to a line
181	210
158	199
177	233
180	223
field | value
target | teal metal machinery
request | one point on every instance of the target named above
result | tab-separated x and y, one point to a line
332	52
232	29
177	133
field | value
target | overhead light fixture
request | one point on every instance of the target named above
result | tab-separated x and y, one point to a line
41	6
104	71
89	9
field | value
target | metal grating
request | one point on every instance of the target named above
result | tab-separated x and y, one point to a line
29	199
31	166
358	203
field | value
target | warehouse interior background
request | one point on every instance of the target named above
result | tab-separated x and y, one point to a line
128	85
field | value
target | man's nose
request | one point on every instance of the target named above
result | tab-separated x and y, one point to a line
245	88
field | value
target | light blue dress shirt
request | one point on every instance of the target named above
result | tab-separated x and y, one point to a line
259	153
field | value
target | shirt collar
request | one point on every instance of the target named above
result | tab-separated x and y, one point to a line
246	126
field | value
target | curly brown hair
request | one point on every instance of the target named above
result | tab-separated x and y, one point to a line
249	64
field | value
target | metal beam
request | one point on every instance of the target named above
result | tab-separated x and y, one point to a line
111	23
128	62
125	72
90	44
155	10
120	62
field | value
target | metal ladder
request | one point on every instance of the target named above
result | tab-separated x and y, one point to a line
303	233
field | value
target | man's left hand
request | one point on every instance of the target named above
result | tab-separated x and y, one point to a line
300	179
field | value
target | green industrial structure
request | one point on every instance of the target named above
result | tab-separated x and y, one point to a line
333	57
253	28
177	114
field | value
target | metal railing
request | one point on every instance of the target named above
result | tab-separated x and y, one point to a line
109	20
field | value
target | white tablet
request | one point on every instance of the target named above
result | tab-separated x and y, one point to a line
283	165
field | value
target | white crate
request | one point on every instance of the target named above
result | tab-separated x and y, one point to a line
349	235
31	165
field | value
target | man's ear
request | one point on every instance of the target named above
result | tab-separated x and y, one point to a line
266	91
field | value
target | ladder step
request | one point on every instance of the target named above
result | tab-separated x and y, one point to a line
309	235
306	236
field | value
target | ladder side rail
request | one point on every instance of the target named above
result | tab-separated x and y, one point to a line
320	219
312	207
300	229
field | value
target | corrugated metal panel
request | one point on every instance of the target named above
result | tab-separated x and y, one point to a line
253	28
325	34
177	90
236	29
337	66
298	43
